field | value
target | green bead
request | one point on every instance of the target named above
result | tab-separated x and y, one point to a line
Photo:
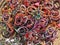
38	16
4	27
39	44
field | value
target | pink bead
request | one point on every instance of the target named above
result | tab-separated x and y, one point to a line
59	25
37	4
